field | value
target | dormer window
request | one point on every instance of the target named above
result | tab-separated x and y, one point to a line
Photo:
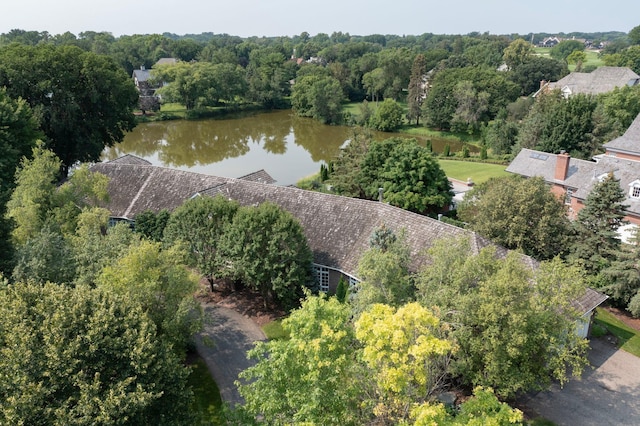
634	189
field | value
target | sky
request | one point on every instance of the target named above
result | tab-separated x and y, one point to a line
246	18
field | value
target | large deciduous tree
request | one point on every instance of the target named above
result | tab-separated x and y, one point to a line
554	124
266	248
402	348
18	135
407	172
440	106
37	201
514	327
200	223
409	175
387	116
518	213
160	282
82	356
319	97
517	53
384	272
565	48
310	377
85	101
200	84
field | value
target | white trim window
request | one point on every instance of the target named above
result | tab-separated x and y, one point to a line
634	189
322	275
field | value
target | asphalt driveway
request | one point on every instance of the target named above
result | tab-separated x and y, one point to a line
223	344
607	394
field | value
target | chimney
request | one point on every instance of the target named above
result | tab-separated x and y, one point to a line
142	67
542	84
380	194
562	166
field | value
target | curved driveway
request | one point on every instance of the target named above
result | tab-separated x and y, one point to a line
223	344
607	394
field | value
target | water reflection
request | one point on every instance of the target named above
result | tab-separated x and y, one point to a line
286	146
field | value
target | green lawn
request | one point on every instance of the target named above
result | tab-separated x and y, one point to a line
207	400
274	331
592	57
478	172
628	338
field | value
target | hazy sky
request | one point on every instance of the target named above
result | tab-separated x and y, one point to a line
291	17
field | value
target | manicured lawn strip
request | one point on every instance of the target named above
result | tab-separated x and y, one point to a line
207	401
274	331
628	338
478	172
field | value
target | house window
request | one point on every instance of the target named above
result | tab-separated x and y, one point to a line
352	283
322	275
568	195
634	189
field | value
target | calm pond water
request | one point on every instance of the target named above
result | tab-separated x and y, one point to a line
287	147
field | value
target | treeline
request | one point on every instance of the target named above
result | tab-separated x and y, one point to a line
351	68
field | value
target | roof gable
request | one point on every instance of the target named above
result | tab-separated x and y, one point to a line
629	142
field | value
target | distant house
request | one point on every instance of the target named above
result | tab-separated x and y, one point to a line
573	179
600	80
549	42
141	79
337	228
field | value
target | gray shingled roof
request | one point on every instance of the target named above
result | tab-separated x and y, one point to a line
600	80
582	175
141	75
337	228
130	159
629	143
260	176
591	300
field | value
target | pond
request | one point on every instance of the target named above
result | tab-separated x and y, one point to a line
287	147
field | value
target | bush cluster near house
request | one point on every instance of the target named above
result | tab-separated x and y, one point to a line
263	247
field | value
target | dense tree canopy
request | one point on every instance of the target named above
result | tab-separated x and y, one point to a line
565	48
310	377
518	213
81	356
554	124
160	282
408	174
85	101
440	104
265	247
521	343
319	97
18	135
200	223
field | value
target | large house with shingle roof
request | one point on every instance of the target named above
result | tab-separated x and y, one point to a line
573	179
600	80
337	228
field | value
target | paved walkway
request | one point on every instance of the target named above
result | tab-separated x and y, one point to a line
223	344
607	394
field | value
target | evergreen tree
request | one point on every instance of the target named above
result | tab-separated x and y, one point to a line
596	228
623	277
416	90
